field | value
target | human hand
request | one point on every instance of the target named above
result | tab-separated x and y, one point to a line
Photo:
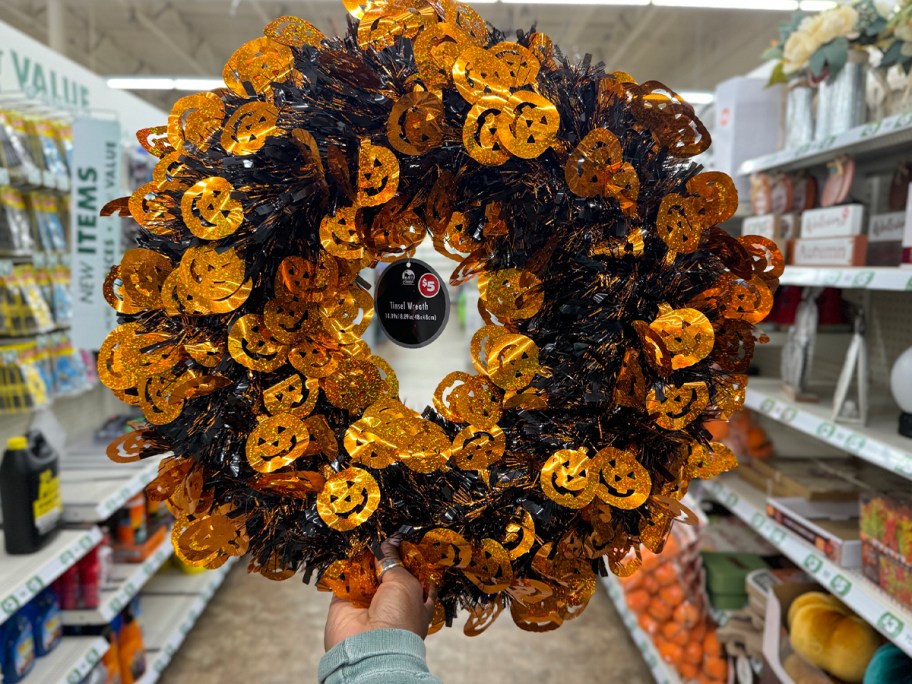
398	604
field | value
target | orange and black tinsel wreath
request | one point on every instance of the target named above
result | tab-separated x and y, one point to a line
619	314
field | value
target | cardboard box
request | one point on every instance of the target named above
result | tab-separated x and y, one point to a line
832	527
843	251
886	520
767	225
790	226
846	220
887	571
800	477
885	236
137	553
777	650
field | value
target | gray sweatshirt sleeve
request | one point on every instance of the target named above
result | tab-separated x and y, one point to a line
382	656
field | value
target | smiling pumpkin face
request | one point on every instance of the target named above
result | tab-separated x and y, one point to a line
624	482
348	499
252	345
570	478
277	442
679	406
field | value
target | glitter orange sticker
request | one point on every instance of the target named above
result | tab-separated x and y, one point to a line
353	580
676	407
479	402
570	478
511	293
378	174
133	446
340	234
143	273
354	385
288	396
209	211
249	127
195	119
256	65
513	362
348	499
477	449
625	482
686	334
277	442
489	568
294	32
252	345
532	125
519	536
706	462
481	132
415	123
521	62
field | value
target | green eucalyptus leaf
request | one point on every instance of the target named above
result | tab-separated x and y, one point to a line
818	63
777	76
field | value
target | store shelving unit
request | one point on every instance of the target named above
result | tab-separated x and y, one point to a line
23	577
70	662
171	605
128	580
884	278
849	585
662	672
861	142
93	488
878	442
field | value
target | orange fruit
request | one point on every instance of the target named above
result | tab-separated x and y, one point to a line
712	646
650	584
682	638
666	574
688	670
673	594
660	610
693	650
670	629
670	652
686	614
716	668
648	624
637	600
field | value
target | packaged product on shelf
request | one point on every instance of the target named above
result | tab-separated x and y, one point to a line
134	540
15	148
726	575
47	627
46	134
832	527
130	647
67	364
23	311
885	235
15	225
886	533
29	494
17	643
80	587
22	387
48	225
64	135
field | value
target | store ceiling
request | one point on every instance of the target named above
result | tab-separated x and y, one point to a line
688	49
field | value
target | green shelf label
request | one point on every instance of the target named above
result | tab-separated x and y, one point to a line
826	430
890	625
813	564
840	585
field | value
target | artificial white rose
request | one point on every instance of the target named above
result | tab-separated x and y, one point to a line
885	7
797	51
903	31
835	23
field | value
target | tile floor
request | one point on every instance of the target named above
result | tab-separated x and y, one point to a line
266	632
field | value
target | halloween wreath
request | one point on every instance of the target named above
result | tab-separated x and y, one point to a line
619	314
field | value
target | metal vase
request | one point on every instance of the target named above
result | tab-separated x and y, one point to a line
843	101
799	115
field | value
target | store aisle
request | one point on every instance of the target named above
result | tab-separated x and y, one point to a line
272	632
266	632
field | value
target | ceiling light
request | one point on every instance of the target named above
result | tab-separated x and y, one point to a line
696	97
141	83
198	84
777	5
817	5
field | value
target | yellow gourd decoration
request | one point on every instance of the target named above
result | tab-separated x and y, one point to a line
831	636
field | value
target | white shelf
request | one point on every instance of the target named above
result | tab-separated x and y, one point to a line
23	577
70	662
93	488
167	618
856	591
878	442
128	579
860	142
662	672
894	279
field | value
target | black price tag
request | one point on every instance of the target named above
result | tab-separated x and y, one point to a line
412	303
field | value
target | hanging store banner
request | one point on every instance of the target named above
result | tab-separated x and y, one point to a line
96	242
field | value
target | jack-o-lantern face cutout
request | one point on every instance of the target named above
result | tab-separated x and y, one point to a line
427	448
256	65
529	591
734	345
354	385
731	393
348	499
378	175
519	536
313	359
483	616
247	129
294	32
674	408
489	568
479	74
353	580
445	548
382	23
532	124
745	300
669	117
154	140
299	279
522	64
133	446
288	396
479	402
143	273
570	478
277	442
209	211
341	234
206	353
597	168
195	119
476	449
252	345
348	314
686	334
480	134
630	388
705	462
625	482
513	362
414	125
511	293
208	281
116	295
152	209
158	399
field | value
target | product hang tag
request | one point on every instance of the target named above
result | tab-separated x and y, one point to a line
411	303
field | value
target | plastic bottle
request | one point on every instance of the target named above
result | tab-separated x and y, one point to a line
18	645
47	628
30	494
